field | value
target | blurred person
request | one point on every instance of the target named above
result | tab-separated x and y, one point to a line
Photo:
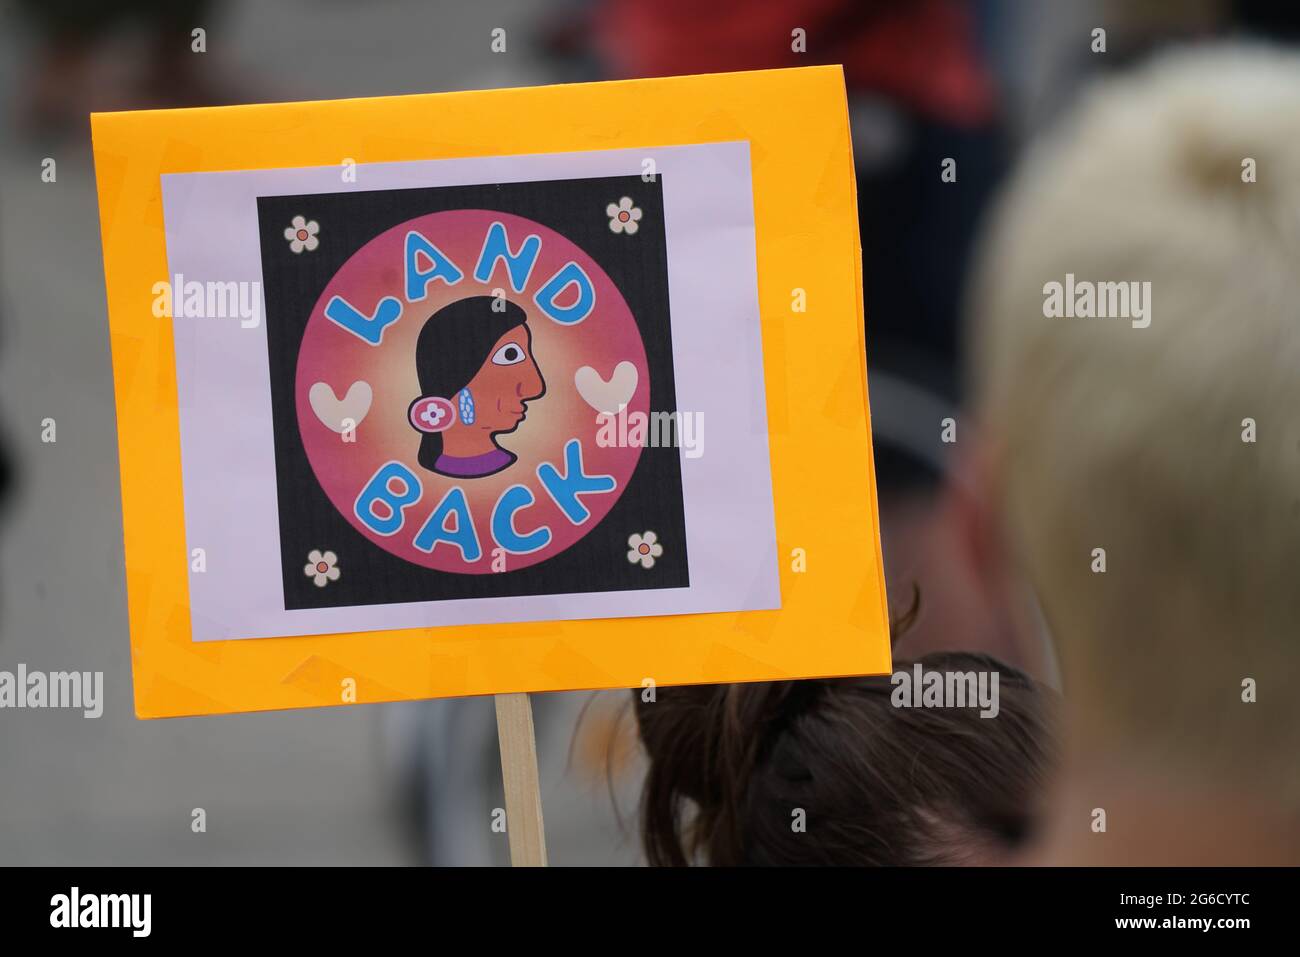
879	784
1170	439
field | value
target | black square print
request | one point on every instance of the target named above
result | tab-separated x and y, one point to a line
472	392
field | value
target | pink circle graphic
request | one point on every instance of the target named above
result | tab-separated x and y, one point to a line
517	406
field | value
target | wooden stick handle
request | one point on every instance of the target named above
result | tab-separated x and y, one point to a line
519	775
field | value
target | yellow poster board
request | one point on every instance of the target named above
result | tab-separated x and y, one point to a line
762	293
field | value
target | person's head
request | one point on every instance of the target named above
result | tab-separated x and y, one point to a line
732	766
475	357
1148	466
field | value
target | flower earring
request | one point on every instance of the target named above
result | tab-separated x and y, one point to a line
432	413
467	406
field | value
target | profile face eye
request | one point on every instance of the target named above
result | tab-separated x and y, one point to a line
508	355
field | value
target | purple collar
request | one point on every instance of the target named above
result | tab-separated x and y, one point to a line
475	465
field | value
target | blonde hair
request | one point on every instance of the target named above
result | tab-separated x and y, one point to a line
1110	436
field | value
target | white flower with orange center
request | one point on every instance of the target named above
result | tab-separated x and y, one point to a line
321	567
302	234
623	216
644	549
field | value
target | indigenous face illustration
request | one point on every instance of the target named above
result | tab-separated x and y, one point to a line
477	374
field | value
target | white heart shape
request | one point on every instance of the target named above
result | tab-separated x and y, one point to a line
607	397
332	412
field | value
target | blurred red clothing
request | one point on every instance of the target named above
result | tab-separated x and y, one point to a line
919	52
